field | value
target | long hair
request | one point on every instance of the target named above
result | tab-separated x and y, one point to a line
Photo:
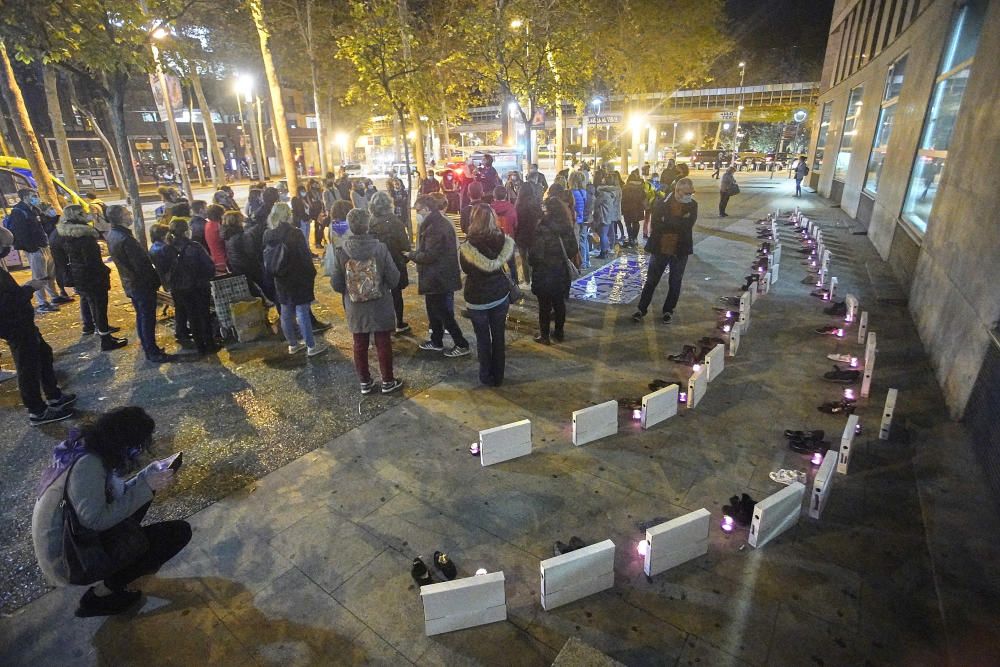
483	223
577	181
280	212
556	211
118	436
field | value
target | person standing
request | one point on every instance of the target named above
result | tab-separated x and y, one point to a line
198	220
513	185
365	273
32	355
89	273
506	221
139	280
475	197
727	188
529	214
669	172
553	248
317	211
288	262
300	212
801	170
214	243
537	179
633	205
483	257
190	280
358	197
26	224
578	187
718	166
429	184
389	230
670	243
603	204
488	177
438	274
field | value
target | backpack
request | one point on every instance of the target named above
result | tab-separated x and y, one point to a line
363	283
276	259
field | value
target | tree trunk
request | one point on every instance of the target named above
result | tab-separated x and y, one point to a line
194	142
331	158
51	82
279	124
320	126
418	144
215	159
116	105
36	160
559	136
113	159
409	176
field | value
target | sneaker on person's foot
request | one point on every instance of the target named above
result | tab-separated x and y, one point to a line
402	328
63	299
319	348
161	358
295	349
457	351
88	332
117	602
391	386
367	387
667	317
49	415
544	340
431	346
47	308
638	315
319	327
63	401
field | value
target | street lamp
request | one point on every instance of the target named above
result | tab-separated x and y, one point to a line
675	140
516	24
739	109
342	143
244	88
173	135
597	103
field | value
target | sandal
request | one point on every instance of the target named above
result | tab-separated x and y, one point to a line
420	573
445	566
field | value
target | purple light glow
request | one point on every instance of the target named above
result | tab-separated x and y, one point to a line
642	548
849	394
682	397
726	329
727	524
636	414
817	459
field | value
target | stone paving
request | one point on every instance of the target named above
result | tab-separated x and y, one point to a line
310	564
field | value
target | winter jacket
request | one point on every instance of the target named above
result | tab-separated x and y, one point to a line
528	218
256	227
377	314
579	205
801	170
727	184
465	215
429	186
194	268
634	201
134	266
604	204
588	205
663	221
215	245
164	257
17	315
389	229
57	247
343	186
26	224
490	179
295	287
549	273
537	179
197	225
506	217
300	210
359	200
616	203
239	254
436	256
330	197
87	269
484	262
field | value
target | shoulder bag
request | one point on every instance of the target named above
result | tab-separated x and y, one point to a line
574	271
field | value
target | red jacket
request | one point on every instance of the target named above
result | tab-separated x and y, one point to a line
506	216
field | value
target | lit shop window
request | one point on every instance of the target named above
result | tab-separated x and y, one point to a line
847	136
886	118
824	126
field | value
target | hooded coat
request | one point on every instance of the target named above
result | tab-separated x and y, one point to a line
484	262
604	205
295	287
437	256
389	229
87	269
366	316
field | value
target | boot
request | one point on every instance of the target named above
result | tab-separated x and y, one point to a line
109	342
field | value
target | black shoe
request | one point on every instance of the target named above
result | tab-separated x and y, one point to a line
109	342
544	340
88	332
445	566
558	336
804	435
420	573
391	386
49	415
638	315
838	309
807	446
842	376
106	605
63	299
402	328
161	358
63	401
837	408
319	327
667	317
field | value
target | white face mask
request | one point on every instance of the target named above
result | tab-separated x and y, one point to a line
421	217
685	199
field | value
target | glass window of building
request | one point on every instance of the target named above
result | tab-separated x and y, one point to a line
824	126
886	117
953	75
847	136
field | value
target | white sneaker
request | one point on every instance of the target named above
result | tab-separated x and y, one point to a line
786	477
320	348
298	347
842	358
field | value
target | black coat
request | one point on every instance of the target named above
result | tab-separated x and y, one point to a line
295	287
549	273
390	230
17	315
59	257
485	267
87	270
197	225
193	268
634	201
437	256
26	223
663	221
528	217
239	253
134	266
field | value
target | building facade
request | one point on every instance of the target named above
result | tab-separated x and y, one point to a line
906	141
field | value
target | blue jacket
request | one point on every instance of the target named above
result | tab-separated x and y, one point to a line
25	223
579	205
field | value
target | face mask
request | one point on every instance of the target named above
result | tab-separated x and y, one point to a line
685	199
421	217
33	200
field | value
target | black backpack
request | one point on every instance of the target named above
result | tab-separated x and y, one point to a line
276	259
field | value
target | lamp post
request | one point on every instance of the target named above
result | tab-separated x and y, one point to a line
342	143
739	111
173	136
675	140
244	89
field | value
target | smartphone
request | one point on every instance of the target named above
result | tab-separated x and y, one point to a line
176	463
171	463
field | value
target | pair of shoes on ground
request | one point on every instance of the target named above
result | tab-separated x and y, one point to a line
841	407
388	386
117	602
666	318
557	336
842	376
90	331
442	563
786	476
843	359
560	548
319	348
55	410
454	351
806	442
740	508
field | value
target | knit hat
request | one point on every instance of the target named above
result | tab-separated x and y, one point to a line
358	220
271	195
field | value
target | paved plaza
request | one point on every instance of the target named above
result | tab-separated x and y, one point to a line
308	504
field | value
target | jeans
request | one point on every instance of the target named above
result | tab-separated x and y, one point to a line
304	226
166	539
602	231
525	264
546	306
289	315
383	349
86	314
657	265
145	321
723	202
397	305
441	315
633	230
583	229
798	186
489	326
197	305
97	304
33	361
43	268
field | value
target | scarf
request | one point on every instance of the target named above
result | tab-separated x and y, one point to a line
64	455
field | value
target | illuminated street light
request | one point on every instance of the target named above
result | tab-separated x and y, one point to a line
516	24
636	122
411	135
725	126
159	33
244	86
689	136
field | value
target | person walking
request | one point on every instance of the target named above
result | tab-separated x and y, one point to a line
26	224
801	171
633	205
190	280
387	228
288	262
529	214
554	247
32	355
483	256
727	188
670	243
84	478
365	273
718	166
139	280
88	272
438	274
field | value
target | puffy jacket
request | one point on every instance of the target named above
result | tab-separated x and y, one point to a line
296	286
665	220
506	216
580	205
634	201
549	273
134	266
436	256
604	205
87	269
17	315
194	267
485	263
25	222
240	257
215	245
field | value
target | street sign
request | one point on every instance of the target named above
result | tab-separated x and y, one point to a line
606	119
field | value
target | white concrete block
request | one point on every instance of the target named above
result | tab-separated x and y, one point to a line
776	514
852	307
833	287
890	406
594	423
863	327
464	603
775	268
734	338
697	386
744	318
866	378
659	406
677	541
577	574
765	283
715	362
847	444
505	442
822	484
754	293
776	253
584	588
